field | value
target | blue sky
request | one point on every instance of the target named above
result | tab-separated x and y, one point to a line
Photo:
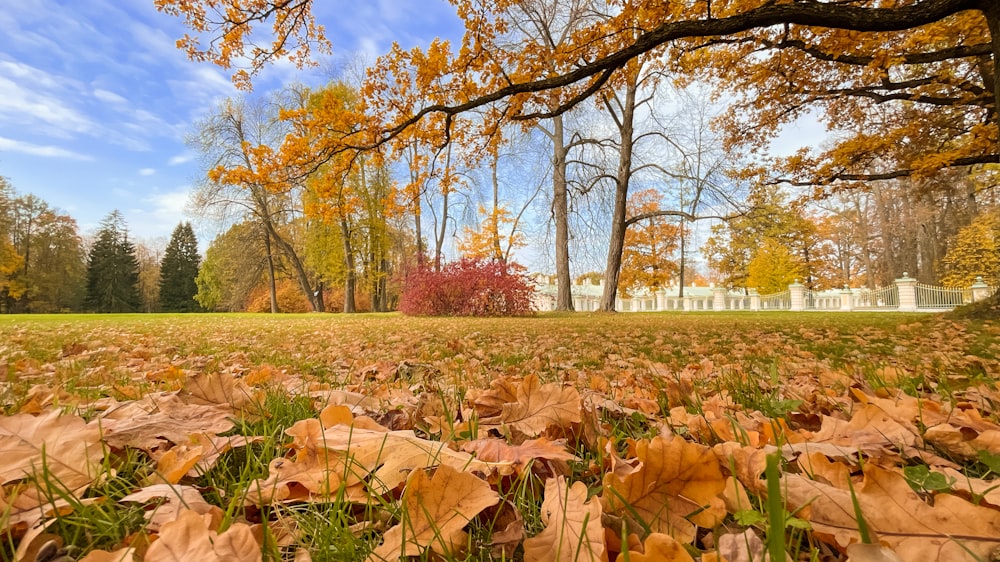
96	100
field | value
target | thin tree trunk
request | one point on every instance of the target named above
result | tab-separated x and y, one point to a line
616	245
349	279
271	282
560	214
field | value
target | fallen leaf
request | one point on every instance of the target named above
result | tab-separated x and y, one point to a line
435	509
951	529
657	548
573	530
190	537
537	407
676	487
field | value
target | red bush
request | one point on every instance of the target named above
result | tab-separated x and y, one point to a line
468	287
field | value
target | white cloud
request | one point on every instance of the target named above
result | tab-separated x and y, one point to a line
46	151
147	172
109	97
182	158
34	98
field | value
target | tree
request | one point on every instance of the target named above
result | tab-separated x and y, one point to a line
774	267
974	252
113	269
236	263
853	32
648	256
178	271
57	277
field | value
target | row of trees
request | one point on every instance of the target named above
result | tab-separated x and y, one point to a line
908	90
47	266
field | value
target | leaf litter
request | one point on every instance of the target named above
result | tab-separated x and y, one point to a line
599	438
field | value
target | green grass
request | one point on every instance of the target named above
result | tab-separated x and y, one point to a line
760	361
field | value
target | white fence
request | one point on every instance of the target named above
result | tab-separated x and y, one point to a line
904	295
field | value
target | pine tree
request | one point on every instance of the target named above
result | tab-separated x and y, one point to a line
113	269
178	271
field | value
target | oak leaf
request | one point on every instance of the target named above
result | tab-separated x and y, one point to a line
951	529
435	509
573	530
677	486
537	407
191	537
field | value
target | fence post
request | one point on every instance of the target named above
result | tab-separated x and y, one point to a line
661	300
718	298
846	298
754	300
980	290
688	303
907	293
798	294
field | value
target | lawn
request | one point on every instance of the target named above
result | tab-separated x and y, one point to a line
705	436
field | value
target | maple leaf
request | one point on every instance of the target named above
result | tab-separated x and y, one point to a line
676	486
435	509
951	529
53	447
190	537
538	407
219	388
573	530
657	548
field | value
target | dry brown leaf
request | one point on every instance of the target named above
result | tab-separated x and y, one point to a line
435	509
951	529
498	450
344	458
218	388
741	547
157	419
176	500
120	555
573	530
537	407
860	552
192	537
657	548
963	442
60	449
175	463
676	487
985	491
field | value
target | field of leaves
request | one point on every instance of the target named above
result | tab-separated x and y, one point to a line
609	437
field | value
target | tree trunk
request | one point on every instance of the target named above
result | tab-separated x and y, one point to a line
560	214
991	9
680	270
349	279
440	235
616	244
297	266
271	282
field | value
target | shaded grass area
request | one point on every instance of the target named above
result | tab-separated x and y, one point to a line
757	359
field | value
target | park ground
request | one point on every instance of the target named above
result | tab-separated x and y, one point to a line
884	400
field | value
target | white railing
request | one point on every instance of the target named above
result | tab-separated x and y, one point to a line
776	301
882	297
904	295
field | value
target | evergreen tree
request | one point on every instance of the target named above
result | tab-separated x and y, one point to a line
178	271
113	269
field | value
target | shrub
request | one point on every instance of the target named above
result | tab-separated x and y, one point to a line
290	298
468	287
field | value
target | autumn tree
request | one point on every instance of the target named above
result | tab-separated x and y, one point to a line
974	252
236	262
113	268
237	144
178	271
649	259
11	262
